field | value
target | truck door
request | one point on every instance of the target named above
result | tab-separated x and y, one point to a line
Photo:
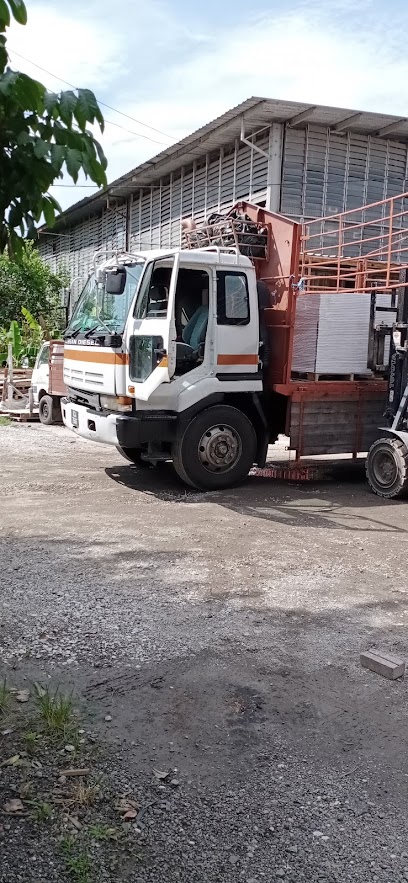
237	323
152	346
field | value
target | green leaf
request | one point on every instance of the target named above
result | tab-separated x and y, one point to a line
30	93
67	105
102	158
33	324
31	228
15	215
73	161
23	138
57	156
19	11
54	202
49	212
90	107
3	58
4	15
41	148
51	101
81	112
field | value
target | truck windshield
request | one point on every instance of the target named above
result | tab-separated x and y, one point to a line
98	311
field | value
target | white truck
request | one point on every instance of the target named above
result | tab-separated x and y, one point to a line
47	386
186	354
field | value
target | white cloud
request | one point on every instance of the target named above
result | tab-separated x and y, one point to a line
73	47
158	67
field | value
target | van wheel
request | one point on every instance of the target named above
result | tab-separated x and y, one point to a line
216	450
46	410
387	468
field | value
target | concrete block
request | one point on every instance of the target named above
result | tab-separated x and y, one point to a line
383	663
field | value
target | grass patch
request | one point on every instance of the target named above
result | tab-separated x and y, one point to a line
78	863
5	421
5	694
103	833
32	740
40	810
56	711
85	795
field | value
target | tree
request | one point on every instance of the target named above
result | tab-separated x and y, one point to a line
30	284
42	136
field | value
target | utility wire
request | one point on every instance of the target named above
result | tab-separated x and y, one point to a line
103	103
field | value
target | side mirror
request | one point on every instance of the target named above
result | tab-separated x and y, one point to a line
115	280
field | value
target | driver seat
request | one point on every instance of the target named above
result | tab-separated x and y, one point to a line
193	335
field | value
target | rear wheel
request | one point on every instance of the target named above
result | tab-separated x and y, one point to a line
46	410
387	468
216	450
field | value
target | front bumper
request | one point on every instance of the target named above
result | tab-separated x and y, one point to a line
97	426
125	430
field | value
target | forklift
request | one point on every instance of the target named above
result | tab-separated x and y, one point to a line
387	459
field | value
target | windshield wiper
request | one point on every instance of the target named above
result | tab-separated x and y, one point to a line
70	333
95	328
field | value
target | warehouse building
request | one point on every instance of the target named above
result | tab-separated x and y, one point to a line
304	161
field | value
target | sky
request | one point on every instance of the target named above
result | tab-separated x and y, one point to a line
174	65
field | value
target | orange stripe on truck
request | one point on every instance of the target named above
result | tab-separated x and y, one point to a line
92	355
238	359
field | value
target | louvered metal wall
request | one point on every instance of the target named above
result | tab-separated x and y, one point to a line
323	172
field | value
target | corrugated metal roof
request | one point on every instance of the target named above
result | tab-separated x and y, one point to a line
256	112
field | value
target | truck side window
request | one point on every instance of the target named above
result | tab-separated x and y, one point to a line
232	298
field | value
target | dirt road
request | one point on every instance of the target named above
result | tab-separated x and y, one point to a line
221	634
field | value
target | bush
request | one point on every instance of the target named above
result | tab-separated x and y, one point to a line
31	284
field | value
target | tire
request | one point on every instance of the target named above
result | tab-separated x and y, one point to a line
387	468
216	450
46	410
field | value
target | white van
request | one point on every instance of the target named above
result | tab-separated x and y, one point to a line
46	384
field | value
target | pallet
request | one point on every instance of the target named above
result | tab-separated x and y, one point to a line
314	377
20	416
290	472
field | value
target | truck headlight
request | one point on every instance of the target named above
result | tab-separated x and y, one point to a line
116	403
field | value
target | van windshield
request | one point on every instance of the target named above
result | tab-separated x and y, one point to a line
98	311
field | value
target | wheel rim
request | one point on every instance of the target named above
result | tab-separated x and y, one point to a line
219	448
385	468
45	410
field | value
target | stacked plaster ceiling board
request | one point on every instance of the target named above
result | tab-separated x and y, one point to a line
305	336
331	333
342	338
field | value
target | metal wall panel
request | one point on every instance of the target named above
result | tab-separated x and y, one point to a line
326	172
323	172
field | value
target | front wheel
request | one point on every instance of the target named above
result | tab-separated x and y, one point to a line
216	450
387	468
46	410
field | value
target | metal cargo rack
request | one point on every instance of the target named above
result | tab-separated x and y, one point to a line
250	238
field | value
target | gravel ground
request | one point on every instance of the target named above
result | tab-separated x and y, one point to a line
216	636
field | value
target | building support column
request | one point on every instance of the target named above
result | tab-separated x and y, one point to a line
274	177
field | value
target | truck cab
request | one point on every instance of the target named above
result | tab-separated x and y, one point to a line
162	359
47	386
41	373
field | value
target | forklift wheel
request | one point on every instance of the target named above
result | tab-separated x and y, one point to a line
387	468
